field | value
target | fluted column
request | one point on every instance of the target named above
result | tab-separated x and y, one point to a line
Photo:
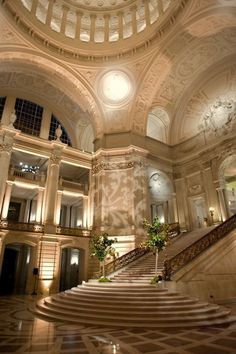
6	143
92	27
79	15
34	7
7	199
106	28
50	199
147	12
222	202
85	211
8	109
134	20
39	205
67	221
49	13
64	19
120	28
58	208
160	7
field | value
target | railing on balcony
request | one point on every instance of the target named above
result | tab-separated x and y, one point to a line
21	226
174	264
27	175
73	231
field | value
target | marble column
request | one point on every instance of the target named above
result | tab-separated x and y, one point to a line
49	13
58	208
79	15
7	199
34	7
120	25
182	203
67	220
211	193
92	27
50	199
106	28
8	109
222	202
147	12
39	205
27	210
85	211
65	10
160	7
6	144
134	20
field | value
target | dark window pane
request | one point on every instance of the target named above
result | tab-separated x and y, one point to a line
52	132
29	117
2	104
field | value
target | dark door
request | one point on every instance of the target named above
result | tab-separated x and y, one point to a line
69	276
8	274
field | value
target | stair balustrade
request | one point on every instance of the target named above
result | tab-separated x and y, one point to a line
124	260
174	264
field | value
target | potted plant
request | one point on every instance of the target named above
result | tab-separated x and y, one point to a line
101	247
157	233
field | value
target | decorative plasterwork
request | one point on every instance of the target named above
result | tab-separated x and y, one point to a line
171	79
67	47
55	77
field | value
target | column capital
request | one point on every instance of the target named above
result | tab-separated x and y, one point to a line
79	13
65	8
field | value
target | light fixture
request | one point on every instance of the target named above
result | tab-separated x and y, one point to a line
211	210
115	87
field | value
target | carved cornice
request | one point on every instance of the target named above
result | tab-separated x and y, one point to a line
112	166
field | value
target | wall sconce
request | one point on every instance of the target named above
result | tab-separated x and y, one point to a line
211	210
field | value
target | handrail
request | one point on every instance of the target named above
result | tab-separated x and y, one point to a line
122	261
174	264
21	226
73	231
113	266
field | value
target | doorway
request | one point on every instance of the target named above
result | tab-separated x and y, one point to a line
70	268
15	268
199	213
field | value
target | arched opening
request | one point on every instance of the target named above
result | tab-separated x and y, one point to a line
15	269
161	197
228	186
157	124
71	268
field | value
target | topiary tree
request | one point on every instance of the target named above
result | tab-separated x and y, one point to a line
101	247
157	233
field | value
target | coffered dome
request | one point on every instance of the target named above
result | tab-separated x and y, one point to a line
80	27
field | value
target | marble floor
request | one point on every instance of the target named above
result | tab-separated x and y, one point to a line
22	332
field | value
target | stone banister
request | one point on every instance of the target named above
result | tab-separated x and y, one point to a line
174	264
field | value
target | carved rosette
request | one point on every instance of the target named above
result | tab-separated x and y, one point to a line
55	159
6	148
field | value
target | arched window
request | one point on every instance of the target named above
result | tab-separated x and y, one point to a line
29	117
52	132
2	104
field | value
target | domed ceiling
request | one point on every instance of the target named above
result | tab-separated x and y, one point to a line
97	27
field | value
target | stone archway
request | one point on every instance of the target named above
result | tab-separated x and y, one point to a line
227	180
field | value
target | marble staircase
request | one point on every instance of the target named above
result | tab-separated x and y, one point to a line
130	300
136	305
